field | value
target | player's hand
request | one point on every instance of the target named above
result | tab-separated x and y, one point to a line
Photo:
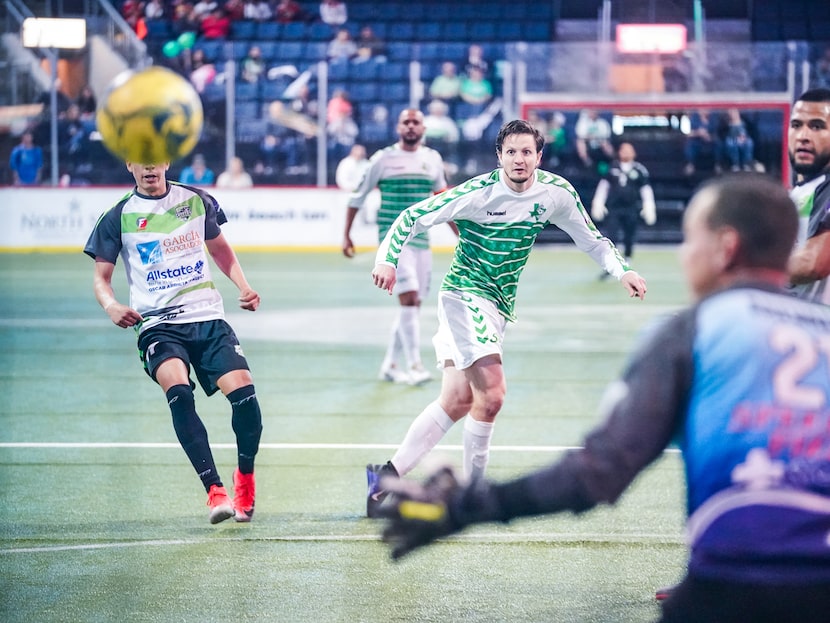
384	277
249	299
634	283
598	212
419	513
122	315
649	214
348	247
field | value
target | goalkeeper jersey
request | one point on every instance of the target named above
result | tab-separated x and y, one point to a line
161	240
404	178
497	229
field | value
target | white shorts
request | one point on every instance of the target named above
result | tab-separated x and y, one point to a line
469	328
414	271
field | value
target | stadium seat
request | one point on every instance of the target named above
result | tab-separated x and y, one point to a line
246	92
243	29
268	49
315	51
239	49
482	31
428	31
295	31
212	49
320	31
537	30
456	31
273	89
401	31
247	110
214	92
396	92
394	72
364	92
159	29
338	71
508	31
289	51
367	70
269	31
399	51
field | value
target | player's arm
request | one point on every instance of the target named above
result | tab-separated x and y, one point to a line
348	245
121	315
223	254
811	261
644	410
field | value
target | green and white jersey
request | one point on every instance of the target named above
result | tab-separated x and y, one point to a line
497	229
162	243
804	195
404	178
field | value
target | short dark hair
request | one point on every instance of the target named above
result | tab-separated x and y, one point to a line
815	95
519	126
759	208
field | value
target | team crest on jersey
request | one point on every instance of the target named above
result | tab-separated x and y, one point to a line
149	252
141	223
183	212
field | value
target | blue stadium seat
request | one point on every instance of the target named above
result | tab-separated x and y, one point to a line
320	31
396	92
315	51
268	49
289	51
269	31
338	71
273	89
394	72
246	92
367	70
428	31
389	12
295	31
374	132
509	31
456	31
211	48
239	49
401	31
482	31
214	92
247	109
364	91
399	51
243	29
537	31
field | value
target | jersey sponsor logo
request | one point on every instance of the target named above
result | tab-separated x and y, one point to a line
537	211
149	252
501	213
141	223
173	277
182	242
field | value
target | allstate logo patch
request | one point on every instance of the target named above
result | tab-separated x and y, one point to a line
150	252
199	266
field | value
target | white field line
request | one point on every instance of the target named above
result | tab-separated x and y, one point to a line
91	445
528	537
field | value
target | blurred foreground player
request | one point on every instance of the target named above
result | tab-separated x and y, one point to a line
160	229
741	381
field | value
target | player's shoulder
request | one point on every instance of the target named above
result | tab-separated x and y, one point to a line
553	180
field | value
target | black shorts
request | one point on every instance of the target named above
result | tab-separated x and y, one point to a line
210	348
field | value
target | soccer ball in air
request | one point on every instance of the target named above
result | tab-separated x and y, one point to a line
150	116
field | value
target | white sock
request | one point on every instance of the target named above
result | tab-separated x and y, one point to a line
423	435
476	440
393	350
409	330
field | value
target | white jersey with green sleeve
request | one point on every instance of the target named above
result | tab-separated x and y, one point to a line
162	243
497	229
404	178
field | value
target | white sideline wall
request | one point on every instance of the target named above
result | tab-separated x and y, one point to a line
264	218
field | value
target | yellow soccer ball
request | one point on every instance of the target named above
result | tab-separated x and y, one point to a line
150	116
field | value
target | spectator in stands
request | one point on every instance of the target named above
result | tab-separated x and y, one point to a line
253	67
367	39
234	9
155	9
258	10
593	140
235	176
350	170
475	88
442	134
556	140
342	47
822	71
215	25
87	103
203	8
26	162
475	60
184	19
132	11
446	86
288	11
340	125
333	12
738	144
197	174
702	140
268	150
202	73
